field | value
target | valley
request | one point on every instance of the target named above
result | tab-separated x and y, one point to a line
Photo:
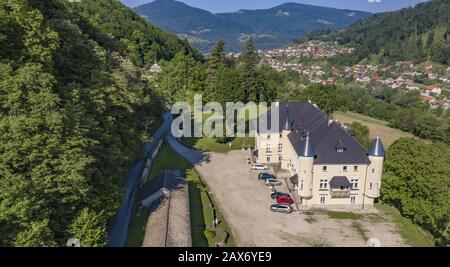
269	28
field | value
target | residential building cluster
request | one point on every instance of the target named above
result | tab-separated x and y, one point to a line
431	80
311	49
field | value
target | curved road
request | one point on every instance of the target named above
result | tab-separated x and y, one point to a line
191	155
119	224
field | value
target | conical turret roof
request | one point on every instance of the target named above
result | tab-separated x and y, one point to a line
287	123
306	147
376	149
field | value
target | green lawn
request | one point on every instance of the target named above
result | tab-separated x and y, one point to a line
201	208
411	233
210	144
342	215
136	229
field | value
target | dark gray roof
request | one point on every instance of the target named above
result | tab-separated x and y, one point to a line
328	141
306	148
299	115
376	149
337	146
339	181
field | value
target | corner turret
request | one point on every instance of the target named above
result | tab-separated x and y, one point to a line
306	147
376	149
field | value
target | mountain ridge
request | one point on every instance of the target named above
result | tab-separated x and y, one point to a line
270	28
421	33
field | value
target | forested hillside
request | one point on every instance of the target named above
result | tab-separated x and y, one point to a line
421	33
135	36
269	28
74	112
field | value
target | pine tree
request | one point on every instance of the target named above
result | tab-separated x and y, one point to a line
249	72
215	61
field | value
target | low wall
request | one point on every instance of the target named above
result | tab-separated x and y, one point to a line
118	228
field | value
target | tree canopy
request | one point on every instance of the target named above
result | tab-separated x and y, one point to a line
416	180
74	113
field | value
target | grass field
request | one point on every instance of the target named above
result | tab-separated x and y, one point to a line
136	228
210	144
201	210
410	232
343	215
387	134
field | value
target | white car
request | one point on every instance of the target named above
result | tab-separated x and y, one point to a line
273	182
259	166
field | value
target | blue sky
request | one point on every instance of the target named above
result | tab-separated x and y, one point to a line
216	6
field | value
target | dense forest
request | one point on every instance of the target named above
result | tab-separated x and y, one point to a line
77	102
416	181
119	28
220	79
421	33
74	113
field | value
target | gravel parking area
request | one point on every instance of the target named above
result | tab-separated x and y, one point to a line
245	202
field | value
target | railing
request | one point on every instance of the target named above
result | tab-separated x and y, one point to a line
340	193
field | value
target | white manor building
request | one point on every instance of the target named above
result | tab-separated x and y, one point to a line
326	164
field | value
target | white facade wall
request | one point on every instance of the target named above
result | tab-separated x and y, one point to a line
263	141
368	176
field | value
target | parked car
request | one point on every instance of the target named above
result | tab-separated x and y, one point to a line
279	194
273	182
283	208
259	166
284	200
265	176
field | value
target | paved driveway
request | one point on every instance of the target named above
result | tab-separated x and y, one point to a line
245	203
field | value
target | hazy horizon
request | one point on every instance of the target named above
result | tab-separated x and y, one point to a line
219	6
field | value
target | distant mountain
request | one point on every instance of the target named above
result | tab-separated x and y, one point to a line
420	33
270	28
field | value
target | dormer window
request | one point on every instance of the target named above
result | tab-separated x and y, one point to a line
340	149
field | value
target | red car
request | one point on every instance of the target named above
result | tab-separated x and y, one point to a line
284	200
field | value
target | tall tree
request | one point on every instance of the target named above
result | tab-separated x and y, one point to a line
215	61
181	78
249	72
